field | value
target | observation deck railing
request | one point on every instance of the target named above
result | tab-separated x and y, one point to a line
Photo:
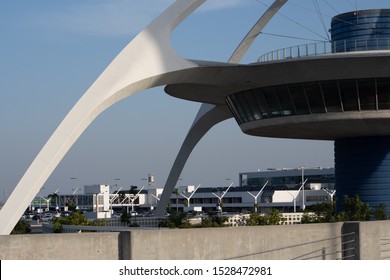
325	47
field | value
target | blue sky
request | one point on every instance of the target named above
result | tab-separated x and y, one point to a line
52	51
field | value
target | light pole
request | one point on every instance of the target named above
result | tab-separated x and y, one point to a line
114	196
56	195
40	200
75	198
189	197
294	200
303	187
259	193
75	191
303	193
331	193
220	196
47	202
295	197
133	199
157	198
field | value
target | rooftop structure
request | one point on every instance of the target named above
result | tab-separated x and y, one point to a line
343	96
320	177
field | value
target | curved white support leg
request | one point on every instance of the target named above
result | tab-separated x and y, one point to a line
146	62
207	117
210	115
247	42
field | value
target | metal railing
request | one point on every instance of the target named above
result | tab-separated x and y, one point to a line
325	47
384	246
341	247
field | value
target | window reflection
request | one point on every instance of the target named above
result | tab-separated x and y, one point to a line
383	90
310	98
299	98
330	91
367	94
349	95
314	96
285	101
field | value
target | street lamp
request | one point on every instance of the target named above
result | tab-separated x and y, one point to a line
295	197
303	193
40	200
259	193
75	199
157	198
114	196
294	200
47	202
220	196
303	187
133	199
75	191
57	192
330	192
189	197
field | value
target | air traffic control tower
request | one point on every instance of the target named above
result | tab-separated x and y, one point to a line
338	91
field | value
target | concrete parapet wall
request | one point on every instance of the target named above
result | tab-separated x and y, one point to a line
262	242
350	240
72	246
374	240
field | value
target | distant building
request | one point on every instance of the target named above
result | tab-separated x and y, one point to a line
316	177
281	189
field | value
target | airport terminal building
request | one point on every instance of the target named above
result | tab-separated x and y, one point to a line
257	191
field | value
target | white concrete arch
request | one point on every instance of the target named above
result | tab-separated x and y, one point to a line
209	115
146	62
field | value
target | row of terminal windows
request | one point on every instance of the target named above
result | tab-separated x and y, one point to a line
310	98
206	200
291	180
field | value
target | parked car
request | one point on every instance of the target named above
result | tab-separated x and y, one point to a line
66	214
133	213
47	217
56	214
28	215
